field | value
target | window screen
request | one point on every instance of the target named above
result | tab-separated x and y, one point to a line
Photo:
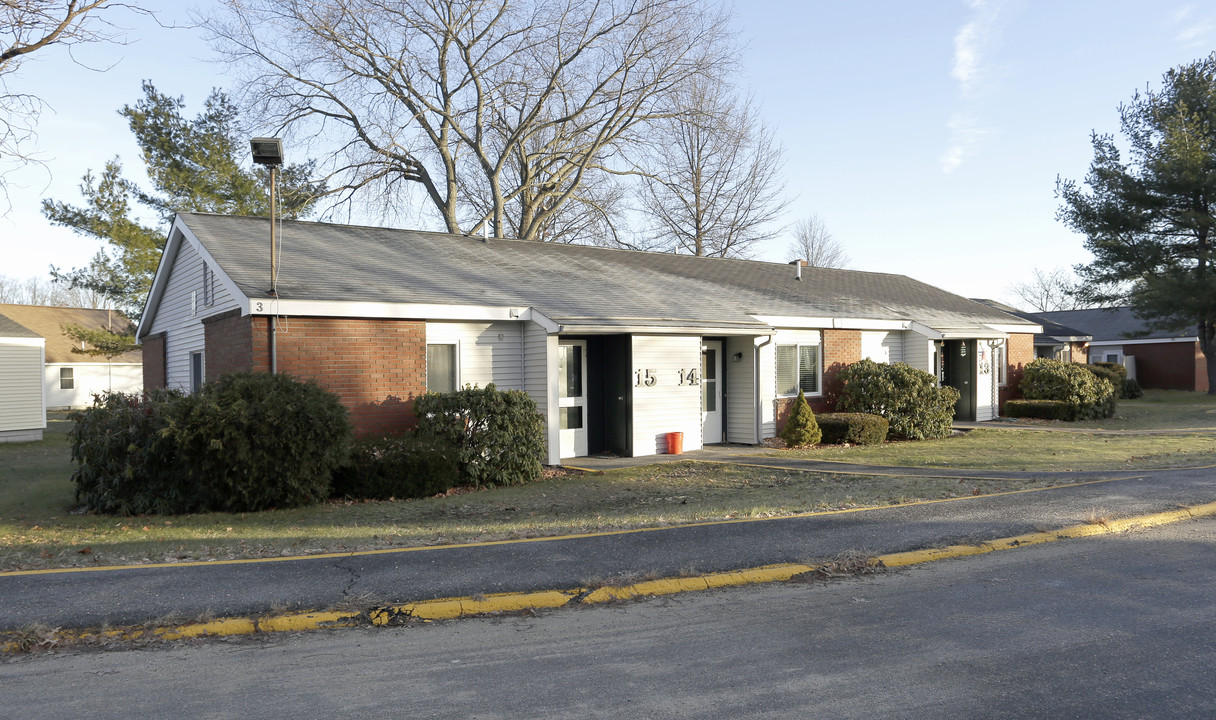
67	379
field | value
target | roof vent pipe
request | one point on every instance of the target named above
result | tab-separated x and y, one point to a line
797	269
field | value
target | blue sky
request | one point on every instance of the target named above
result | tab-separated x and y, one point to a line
927	135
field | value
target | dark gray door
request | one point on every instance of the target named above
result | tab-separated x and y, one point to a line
958	364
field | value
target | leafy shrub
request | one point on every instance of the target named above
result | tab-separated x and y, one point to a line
855	428
1041	409
245	442
800	427
396	467
910	399
1114	372
126	464
1131	389
1087	395
257	441
498	435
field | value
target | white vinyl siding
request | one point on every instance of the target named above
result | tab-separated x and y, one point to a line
882	346
176	315
21	396
740	390
539	373
488	352
918	351
88	379
666	405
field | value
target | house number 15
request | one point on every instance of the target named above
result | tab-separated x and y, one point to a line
645	378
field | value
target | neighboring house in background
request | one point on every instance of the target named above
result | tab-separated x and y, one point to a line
1155	358
1057	341
618	348
22	406
70	379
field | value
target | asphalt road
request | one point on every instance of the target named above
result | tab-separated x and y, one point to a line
142	594
1111	627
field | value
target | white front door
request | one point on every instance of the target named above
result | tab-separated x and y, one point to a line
572	397
711	391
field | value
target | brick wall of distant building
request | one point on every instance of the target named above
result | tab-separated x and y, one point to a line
1170	366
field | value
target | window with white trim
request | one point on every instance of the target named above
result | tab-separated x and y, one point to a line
67	379
441	368
799	367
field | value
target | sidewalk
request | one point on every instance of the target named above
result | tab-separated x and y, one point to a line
78	599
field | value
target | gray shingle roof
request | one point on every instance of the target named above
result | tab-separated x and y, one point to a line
47	321
568	283
1111	324
1052	331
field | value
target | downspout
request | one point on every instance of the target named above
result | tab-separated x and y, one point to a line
756	404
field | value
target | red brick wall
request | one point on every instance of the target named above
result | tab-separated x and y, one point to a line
154	361
376	367
1019	353
228	344
840	349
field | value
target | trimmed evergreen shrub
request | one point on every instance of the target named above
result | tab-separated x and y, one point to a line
1132	389
1087	395
256	441
800	427
396	467
245	442
855	428
498	435
910	399
1041	409
1114	372
126	464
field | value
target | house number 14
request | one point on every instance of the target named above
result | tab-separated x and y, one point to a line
649	377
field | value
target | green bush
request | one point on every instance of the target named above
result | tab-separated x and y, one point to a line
498	435
1087	395
1131	389
245	442
910	399
1041	409
855	428
800	427
126	463
396	467
258	440
1114	372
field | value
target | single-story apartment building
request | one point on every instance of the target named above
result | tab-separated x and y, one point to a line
617	347
22	406
71	379
1163	359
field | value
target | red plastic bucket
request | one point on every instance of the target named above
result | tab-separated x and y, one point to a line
675	443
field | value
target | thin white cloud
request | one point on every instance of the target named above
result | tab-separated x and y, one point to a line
966	135
1190	29
972	43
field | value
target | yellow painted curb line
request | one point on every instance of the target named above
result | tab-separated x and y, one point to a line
451	608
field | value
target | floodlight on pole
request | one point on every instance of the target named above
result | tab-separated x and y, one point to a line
269	151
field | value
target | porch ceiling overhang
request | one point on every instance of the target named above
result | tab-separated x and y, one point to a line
975	332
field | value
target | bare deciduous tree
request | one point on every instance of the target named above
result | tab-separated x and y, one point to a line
711	184
26	27
814	243
517	103
36	291
1050	290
